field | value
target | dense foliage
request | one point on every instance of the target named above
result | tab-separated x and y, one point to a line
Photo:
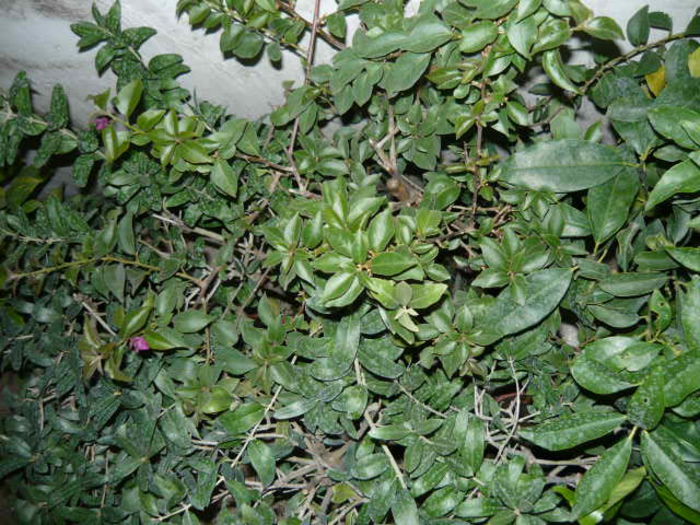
418	292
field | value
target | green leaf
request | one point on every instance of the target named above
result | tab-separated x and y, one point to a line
59	113
383	291
295	409
472	450
392	263
378	46
224	177
681	178
191	321
82	167
135	320
389	432
248	44
556	71
425	295
668	121
597	377
22	187
680	477
688	257
338	285
129	97
193	152
633	284
522	35
490	10
543	290
638	27
571	430
562	166
477	36
681	378
405	72
164	339
337	25
268	5
552	33
381	231
404	509
646	406
597	484
429	34
242	419
603	27
689	310
609	203
263	461
125	234
370	466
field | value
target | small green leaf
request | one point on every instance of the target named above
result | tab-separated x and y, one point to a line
337	285
597	377
425	295
193	152
597	484
263	461
224	177
369	467
646	406
689	310
681	378
522	35
191	321
571	430
552	34
680	477
633	284
129	97
164	339
543	290
428	34
125	233
688	257
381	231
562	166
668	121
609	203
405	72
404	509
392	263
603	27
295	409
477	36
554	67
242	419
337	25
638	27
681	178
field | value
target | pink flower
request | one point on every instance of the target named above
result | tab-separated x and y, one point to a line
102	123
139	344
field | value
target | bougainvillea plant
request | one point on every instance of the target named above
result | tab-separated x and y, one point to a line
419	291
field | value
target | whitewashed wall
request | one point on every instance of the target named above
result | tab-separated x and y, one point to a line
35	36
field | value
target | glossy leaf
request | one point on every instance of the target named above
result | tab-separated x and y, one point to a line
562	166
598	483
544	290
571	430
680	477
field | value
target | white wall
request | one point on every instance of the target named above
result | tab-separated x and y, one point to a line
35	36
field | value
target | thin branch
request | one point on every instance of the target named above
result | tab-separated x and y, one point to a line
388	454
627	56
